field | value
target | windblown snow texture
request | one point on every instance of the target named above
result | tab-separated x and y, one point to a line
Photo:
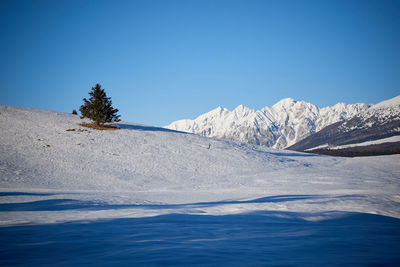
144	195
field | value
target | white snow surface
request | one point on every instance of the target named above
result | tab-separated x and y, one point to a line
142	171
277	126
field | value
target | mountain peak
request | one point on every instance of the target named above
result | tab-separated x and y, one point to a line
242	111
241	107
285	102
218	110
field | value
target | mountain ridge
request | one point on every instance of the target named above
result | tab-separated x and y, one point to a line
279	126
380	121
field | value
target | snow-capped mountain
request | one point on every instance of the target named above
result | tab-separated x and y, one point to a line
277	126
379	122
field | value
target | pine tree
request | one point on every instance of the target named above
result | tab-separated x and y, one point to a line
99	107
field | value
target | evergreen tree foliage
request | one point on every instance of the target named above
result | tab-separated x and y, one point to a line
74	112
99	107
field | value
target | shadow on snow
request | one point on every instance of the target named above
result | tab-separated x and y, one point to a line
256	238
72	204
259	238
5	194
145	128
294	154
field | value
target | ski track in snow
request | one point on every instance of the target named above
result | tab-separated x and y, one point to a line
52	175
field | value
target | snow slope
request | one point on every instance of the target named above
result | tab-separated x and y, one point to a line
143	164
277	126
150	196
380	121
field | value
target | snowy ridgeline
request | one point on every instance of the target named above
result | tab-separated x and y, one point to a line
281	125
277	126
151	171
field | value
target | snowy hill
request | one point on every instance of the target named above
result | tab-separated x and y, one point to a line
277	126
375	126
149	196
49	151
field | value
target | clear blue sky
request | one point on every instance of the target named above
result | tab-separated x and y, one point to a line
164	60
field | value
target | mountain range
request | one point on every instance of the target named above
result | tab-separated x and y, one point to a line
289	122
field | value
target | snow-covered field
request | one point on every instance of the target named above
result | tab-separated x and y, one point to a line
146	195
